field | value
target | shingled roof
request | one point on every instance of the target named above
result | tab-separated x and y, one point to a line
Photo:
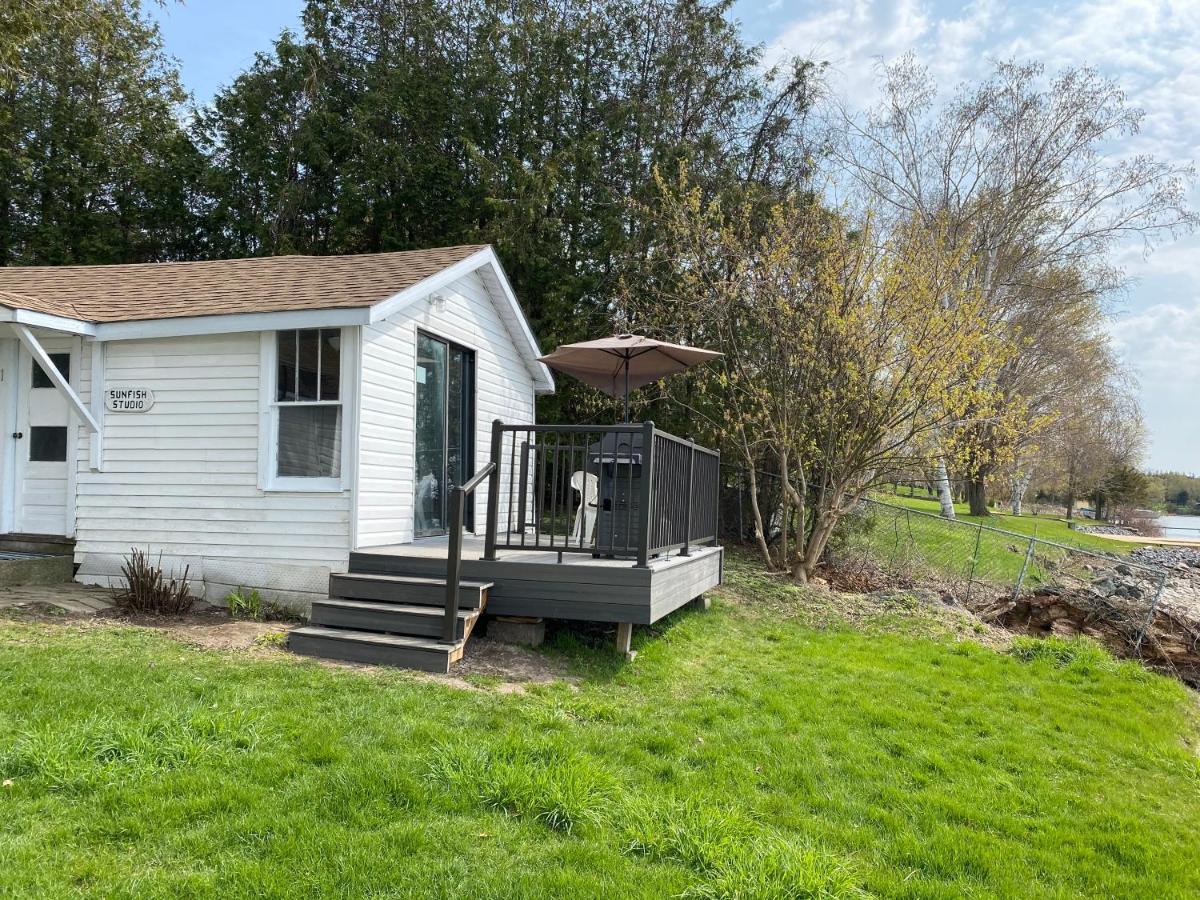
129	293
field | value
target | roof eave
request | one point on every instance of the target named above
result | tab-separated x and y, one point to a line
36	319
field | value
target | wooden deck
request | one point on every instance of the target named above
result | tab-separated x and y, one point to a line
581	587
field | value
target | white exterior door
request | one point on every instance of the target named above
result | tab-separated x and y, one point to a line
42	443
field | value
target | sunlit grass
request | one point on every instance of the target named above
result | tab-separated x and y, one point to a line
753	750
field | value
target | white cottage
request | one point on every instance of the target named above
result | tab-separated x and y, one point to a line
254	419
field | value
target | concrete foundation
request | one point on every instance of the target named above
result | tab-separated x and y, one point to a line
17	570
525	630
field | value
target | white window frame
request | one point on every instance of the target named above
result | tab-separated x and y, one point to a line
268	430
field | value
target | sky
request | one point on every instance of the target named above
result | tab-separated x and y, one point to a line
1152	47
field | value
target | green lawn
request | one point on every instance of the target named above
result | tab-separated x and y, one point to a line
764	748
929	547
1047	528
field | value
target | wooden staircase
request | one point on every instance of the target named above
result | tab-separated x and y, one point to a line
392	620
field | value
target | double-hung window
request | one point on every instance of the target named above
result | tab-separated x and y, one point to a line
307	413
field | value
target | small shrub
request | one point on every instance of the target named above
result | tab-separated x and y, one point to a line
276	639
245	604
146	589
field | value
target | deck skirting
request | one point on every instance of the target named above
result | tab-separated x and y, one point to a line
579	588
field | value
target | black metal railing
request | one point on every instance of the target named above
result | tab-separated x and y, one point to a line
454	552
622	491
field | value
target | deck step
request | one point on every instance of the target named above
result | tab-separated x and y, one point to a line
349	645
397	618
407	589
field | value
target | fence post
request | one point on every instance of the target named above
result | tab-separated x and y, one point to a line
1162	583
1024	569
974	560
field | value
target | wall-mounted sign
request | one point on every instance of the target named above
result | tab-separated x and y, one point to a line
128	399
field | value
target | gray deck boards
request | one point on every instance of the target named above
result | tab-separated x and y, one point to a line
535	583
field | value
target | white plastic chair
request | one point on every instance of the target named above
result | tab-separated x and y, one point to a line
587	486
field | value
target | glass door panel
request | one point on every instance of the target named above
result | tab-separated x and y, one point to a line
445	431
429	489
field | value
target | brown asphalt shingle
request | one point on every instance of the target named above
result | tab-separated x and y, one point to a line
124	293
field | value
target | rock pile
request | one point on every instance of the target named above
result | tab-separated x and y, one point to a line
1106	529
1179	560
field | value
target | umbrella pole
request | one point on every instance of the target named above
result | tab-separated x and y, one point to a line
627	390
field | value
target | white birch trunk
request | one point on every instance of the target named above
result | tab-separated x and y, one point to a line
1019	484
945	495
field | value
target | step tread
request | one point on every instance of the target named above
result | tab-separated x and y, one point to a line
384	606
414	579
373	637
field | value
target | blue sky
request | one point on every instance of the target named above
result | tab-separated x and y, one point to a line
1151	46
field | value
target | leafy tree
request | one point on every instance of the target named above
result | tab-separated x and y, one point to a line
529	124
843	354
1014	165
94	166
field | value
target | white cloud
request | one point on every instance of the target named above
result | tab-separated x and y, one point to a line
1162	345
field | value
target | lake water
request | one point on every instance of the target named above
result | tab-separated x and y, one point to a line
1179	526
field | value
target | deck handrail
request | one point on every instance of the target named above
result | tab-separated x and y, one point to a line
454	552
642	492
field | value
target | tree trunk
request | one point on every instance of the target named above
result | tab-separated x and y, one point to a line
823	526
1019	485
977	497
759	533
945	494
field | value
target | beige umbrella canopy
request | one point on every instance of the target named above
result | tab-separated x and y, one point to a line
619	364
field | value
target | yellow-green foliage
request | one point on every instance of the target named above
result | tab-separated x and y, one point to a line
848	353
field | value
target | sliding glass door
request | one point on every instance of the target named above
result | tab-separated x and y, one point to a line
445	430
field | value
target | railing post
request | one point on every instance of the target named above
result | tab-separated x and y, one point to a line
522	508
453	567
493	496
687	500
647	498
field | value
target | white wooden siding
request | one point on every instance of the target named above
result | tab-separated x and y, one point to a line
182	479
503	388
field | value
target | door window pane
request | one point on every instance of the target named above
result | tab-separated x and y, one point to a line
310	441
48	443
429	487
62	362
444	430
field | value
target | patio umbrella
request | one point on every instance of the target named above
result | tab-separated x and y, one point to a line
619	364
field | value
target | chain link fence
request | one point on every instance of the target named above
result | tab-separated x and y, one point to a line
990	568
1016	579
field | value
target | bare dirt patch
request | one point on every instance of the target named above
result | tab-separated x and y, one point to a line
208	628
510	662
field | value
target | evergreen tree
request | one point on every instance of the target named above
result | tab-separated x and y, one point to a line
94	166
